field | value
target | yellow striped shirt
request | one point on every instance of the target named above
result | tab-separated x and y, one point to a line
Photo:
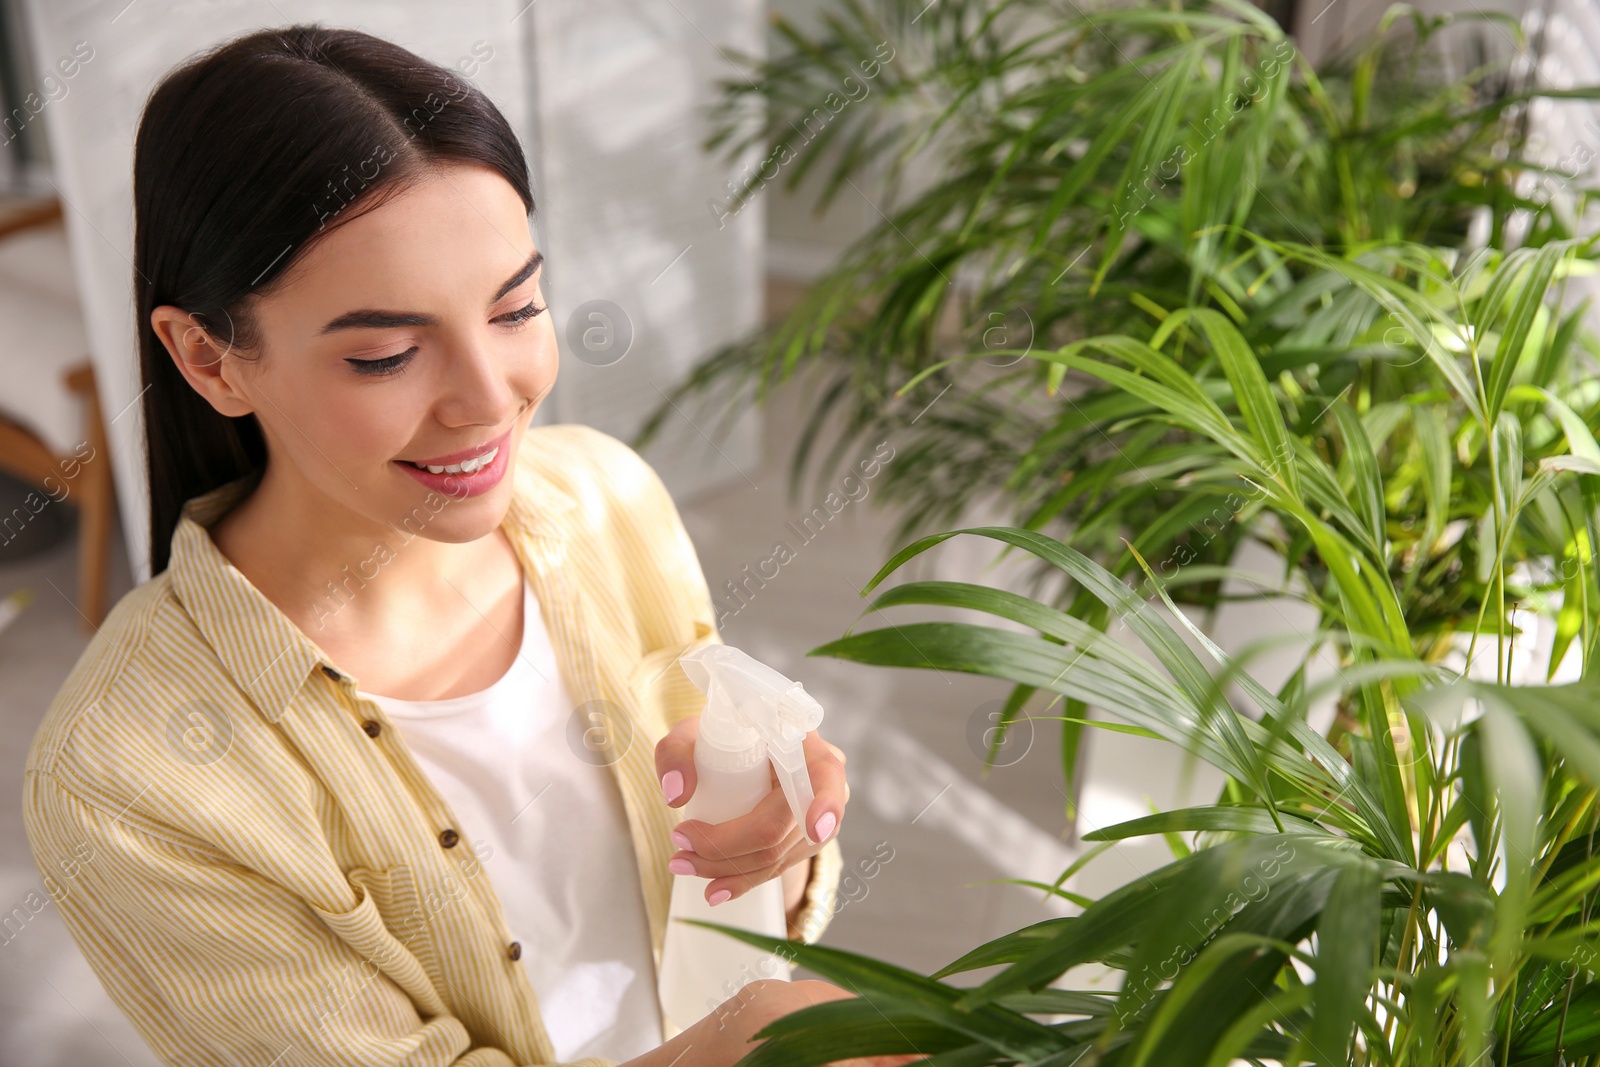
254	864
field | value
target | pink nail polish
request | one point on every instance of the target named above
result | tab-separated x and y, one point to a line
681	839
824	826
679	865
672	785
719	896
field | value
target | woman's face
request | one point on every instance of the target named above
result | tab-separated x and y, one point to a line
415	333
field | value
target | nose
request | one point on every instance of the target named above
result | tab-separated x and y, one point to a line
477	388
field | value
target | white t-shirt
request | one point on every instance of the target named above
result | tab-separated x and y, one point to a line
553	836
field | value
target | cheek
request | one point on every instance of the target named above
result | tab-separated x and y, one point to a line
349	426
372	434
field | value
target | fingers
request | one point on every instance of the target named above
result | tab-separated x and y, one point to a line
762	827
768	841
738	854
825	761
751	871
675	761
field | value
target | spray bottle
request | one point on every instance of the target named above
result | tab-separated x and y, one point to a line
754	718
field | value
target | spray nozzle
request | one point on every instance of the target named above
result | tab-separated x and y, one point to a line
750	705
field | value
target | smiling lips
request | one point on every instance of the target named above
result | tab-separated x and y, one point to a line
468	473
466	466
465	461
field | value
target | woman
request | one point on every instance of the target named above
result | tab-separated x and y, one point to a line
396	638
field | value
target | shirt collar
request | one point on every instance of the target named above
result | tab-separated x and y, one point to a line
269	656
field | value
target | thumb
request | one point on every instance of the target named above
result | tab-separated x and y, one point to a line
675	761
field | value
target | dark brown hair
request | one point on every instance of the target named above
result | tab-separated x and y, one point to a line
246	155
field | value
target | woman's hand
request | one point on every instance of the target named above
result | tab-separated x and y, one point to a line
740	854
725	1036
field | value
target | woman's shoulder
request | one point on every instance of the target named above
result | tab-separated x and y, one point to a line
142	637
569	463
151	731
553	448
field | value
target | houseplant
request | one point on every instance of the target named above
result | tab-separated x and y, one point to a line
1314	333
1418	890
1090	171
1076	163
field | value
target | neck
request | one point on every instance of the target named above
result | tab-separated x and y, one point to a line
335	572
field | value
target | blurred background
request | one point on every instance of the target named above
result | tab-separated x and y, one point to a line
652	248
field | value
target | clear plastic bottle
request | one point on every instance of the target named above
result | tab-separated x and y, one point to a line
754	726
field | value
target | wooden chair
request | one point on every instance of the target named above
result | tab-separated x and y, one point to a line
82	476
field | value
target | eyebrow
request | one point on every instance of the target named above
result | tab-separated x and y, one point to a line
375	318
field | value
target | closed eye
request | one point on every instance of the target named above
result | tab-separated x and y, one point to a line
523	314
385	366
394	364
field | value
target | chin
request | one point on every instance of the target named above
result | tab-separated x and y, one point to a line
454	519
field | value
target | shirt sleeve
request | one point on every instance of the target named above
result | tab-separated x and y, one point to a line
674	605
822	894
214	963
671	601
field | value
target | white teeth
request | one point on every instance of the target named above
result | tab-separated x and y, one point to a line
467	466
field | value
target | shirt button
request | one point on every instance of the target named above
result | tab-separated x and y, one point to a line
330	672
515	951
372	728
448	838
